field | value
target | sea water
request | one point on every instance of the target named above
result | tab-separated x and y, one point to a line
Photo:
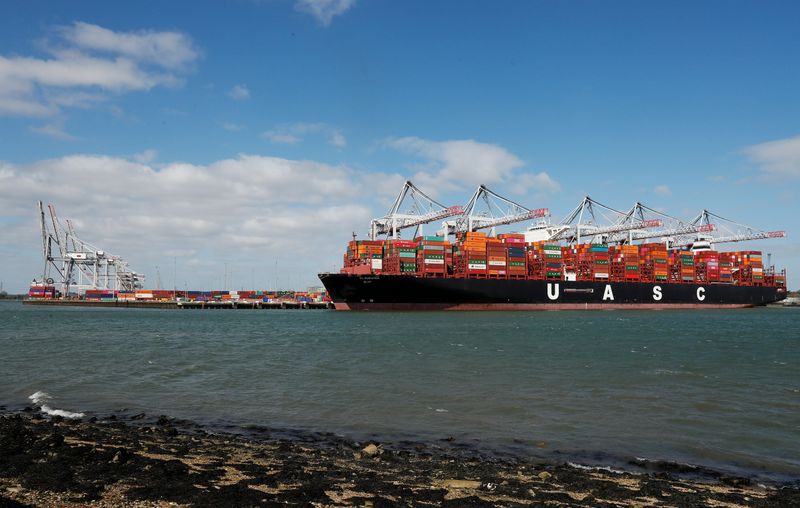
716	388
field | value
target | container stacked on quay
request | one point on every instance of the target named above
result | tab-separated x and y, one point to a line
38	292
507	273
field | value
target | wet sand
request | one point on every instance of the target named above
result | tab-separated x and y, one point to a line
138	461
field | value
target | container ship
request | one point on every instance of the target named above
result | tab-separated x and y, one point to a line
479	271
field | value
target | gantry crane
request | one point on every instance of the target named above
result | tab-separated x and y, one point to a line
77	264
670	227
592	219
423	210
729	231
498	211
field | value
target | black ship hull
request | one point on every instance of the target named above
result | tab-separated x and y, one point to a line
402	292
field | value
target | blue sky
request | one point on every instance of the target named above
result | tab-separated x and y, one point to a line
256	133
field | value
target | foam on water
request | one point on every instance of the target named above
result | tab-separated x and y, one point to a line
40	399
595	468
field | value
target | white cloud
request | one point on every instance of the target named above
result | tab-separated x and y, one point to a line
230	126
85	59
459	162
540	183
146	157
662	190
780	158
294	133
55	130
337	139
166	49
324	10
239	93
240	210
282	138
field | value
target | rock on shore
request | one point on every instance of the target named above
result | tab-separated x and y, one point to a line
56	462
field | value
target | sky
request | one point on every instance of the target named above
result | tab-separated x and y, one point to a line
242	143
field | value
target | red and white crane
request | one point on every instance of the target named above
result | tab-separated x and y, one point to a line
486	210
726	231
412	208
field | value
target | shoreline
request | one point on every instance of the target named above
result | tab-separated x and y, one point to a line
136	460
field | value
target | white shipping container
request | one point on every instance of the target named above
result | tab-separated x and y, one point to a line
377	264
434	261
476	266
497	263
557	252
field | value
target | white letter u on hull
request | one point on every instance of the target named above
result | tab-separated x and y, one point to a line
552	291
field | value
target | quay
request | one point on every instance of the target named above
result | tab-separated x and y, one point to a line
173	304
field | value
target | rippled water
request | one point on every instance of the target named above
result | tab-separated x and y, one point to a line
714	388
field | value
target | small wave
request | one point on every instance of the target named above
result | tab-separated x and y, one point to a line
438	410
594	468
41	398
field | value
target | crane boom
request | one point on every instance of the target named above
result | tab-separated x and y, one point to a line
479	223
585	220
764	235
678	231
730	231
499	211
617	228
424	210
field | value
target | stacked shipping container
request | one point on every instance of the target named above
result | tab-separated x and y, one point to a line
496	258
516	260
653	262
367	253
469	255
706	266
624	263
42	291
399	257
681	267
589	261
508	256
545	261
431	255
